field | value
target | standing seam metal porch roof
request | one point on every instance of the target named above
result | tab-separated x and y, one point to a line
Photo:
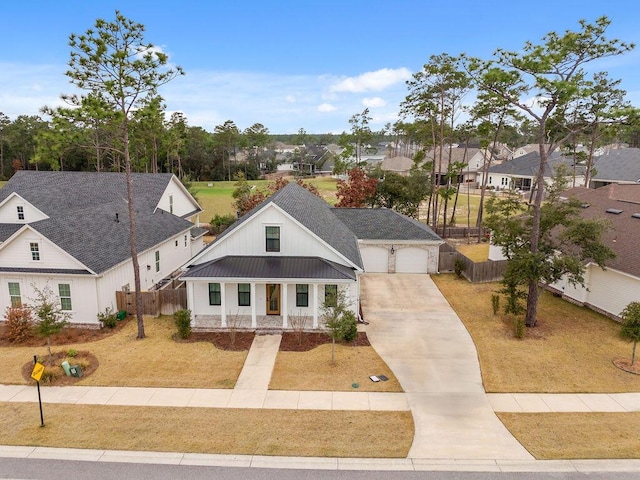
270	267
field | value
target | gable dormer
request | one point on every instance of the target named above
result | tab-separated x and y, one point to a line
15	209
177	200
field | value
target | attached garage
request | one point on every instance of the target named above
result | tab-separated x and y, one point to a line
412	260
375	259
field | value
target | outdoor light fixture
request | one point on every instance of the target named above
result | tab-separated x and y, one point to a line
393	250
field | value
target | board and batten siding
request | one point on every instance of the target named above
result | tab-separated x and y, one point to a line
182	203
9	211
83	292
249	239
17	253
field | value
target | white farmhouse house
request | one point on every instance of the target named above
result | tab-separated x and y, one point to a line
294	251
70	231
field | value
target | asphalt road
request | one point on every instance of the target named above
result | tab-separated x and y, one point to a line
37	469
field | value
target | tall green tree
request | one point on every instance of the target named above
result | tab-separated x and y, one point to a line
566	241
226	138
631	326
113	60
552	73
4	122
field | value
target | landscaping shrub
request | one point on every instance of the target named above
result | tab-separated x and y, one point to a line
108	318
495	303
519	326
182	319
458	267
349	326
219	223
72	352
19	323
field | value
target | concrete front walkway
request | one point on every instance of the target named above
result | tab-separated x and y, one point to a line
415	330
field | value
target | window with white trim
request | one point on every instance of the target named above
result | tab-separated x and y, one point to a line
185	241
215	296
244	295
64	290
14	294
170	203
35	251
302	295
20	210
157	261
272	235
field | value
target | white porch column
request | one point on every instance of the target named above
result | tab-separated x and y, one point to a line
315	305
223	305
285	305
254	320
190	303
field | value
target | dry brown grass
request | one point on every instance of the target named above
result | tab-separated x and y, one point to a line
312	370
576	435
571	349
205	430
478	252
156	361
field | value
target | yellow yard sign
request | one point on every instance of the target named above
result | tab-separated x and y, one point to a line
38	370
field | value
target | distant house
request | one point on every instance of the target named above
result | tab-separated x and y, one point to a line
610	290
70	231
472	158
616	166
290	253
399	165
520	173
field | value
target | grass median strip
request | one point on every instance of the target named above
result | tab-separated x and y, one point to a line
208	430
554	436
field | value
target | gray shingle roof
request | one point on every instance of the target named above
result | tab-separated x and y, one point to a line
528	165
259	267
621	165
315	214
8	229
383	224
82	208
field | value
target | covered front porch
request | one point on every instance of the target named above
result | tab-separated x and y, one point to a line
267	293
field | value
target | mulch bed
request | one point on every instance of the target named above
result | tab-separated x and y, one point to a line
625	364
221	340
291	341
67	336
90	364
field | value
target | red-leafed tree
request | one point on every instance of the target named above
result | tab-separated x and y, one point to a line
247	197
358	191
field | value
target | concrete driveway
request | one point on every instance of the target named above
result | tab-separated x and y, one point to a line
415	330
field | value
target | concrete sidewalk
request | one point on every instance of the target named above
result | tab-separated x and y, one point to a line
564	402
415	330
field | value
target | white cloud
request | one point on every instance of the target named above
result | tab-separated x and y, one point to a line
372	81
326	107
373	102
290	99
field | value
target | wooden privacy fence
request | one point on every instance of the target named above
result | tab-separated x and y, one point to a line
475	272
157	302
461	232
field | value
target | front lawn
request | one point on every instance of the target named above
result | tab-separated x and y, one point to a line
156	361
570	350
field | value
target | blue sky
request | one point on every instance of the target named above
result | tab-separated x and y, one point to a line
292	64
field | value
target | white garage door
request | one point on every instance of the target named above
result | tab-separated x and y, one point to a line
412	260
375	259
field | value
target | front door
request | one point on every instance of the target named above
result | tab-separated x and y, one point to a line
273	299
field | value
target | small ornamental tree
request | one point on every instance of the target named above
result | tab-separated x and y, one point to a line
19	322
631	326
50	317
339	320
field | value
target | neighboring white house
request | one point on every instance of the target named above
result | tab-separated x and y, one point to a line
520	172
70	231
610	290
293	251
